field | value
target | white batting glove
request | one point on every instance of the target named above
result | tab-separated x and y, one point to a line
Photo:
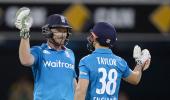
142	57
23	21
146	58
136	52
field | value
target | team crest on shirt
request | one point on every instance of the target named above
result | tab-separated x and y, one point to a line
46	52
67	54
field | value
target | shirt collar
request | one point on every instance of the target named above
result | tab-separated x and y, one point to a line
48	47
102	50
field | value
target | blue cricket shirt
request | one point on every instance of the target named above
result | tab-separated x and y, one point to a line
53	73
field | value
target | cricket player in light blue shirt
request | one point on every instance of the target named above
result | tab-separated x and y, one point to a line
52	63
100	72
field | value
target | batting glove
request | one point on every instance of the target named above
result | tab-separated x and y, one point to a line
136	52
142	57
23	22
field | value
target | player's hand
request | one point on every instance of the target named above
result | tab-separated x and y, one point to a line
23	21
145	58
147	64
142	58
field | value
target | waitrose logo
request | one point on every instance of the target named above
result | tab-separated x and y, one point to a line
58	64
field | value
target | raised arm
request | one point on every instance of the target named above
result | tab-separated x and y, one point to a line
23	22
26	58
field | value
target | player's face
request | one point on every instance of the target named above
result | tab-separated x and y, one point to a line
59	35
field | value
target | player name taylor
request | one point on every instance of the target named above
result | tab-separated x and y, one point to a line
106	61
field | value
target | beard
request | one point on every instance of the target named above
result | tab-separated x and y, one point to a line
60	41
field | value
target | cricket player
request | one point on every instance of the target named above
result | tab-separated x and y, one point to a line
52	63
100	73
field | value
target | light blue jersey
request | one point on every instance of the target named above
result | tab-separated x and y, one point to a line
104	71
53	73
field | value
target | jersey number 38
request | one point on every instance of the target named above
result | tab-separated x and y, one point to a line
106	85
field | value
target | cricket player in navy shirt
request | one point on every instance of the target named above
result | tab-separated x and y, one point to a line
52	63
100	72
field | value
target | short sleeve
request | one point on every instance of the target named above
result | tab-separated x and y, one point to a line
127	70
36	52
72	57
83	70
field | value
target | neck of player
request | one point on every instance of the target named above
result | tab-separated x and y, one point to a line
97	45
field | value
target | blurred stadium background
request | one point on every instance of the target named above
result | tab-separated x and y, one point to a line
143	22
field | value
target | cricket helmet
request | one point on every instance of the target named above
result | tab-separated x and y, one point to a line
106	33
55	21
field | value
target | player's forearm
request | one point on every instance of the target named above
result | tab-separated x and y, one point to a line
81	89
137	74
24	52
80	93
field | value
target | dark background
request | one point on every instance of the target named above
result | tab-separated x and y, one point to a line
155	81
